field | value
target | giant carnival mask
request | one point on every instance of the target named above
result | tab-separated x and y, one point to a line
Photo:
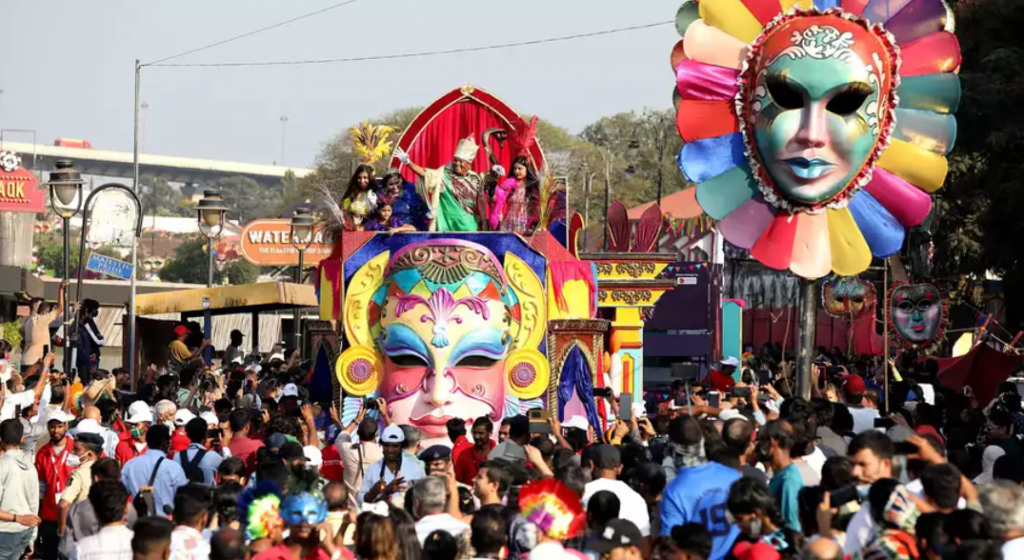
917	314
821	97
444	330
816	130
849	297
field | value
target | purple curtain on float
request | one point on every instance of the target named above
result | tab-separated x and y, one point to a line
576	376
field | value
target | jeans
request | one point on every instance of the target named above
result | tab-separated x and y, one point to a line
13	545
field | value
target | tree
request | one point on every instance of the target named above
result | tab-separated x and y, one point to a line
159	198
977	212
50	252
247	200
191	265
240	272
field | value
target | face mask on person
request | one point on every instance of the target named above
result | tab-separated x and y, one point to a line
137	433
74	460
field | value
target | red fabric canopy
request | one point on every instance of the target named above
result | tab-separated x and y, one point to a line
433	135
982	369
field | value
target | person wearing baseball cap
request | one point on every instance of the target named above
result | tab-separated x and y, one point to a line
721	379
390	476
853	397
618	540
178	353
55	463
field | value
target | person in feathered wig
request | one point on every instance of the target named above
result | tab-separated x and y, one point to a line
557	513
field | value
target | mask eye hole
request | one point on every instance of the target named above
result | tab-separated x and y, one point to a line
408	360
477	362
784	95
849	100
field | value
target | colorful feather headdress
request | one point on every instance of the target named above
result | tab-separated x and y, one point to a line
553	508
719	67
371	142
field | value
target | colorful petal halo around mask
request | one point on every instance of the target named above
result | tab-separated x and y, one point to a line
838	124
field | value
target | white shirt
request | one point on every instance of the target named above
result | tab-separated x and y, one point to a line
863	418
439	522
632	506
23	399
188	544
860	531
113	542
1013	549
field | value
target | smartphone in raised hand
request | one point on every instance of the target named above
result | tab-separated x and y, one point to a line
625	406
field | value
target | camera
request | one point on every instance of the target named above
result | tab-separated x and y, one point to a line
370	404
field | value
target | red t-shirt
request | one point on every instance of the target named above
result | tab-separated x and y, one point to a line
469	464
245	449
53	471
720	382
461	444
332	468
179	441
280	552
126	451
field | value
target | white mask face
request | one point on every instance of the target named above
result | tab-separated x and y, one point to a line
73	460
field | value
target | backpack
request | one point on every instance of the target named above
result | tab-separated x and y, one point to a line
144	502
191	467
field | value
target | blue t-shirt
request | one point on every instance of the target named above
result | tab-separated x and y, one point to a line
700	495
785	487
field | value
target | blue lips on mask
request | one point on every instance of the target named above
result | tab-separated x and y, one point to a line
297	509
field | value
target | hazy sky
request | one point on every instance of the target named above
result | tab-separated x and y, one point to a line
67	68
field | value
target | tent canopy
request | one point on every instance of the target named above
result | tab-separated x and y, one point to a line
225	300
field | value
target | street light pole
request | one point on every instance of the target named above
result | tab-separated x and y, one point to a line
607	195
210	213
66	200
301	234
284	122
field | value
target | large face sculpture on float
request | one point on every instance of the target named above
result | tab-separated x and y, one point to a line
848	297
917	314
816	130
443	330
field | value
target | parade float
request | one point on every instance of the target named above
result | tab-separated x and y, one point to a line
462	324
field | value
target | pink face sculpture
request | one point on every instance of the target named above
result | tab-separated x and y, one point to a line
441	321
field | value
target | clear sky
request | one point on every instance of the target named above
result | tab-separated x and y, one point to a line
67	67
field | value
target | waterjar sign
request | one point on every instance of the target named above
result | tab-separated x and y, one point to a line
269	243
19	187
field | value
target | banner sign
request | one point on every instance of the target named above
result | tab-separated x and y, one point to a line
114	217
268	243
19	187
111	267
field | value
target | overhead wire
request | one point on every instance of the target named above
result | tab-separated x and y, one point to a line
250	33
416	54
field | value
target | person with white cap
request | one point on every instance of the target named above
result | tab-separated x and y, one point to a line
88	447
54	463
721	379
140	417
390	477
179	439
